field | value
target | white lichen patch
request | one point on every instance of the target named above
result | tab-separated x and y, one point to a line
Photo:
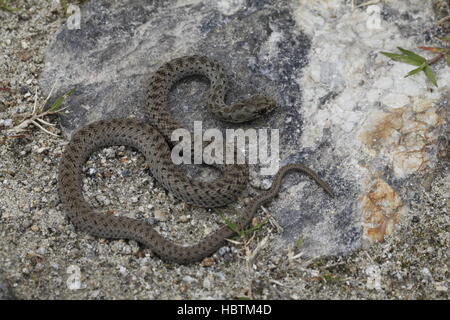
373	277
229	7
363	99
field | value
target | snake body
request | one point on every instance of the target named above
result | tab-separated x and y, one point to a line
153	142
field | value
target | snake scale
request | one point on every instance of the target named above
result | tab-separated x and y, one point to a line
153	141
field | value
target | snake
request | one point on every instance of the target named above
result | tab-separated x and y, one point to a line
152	139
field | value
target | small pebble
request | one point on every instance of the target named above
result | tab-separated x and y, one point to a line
123	271
206	283
427	274
208	262
184	218
103	200
6	123
220	276
160	215
189	279
440	286
224	250
42	149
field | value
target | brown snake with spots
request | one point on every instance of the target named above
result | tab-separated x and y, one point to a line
153	141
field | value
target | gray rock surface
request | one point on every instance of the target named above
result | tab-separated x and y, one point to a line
110	59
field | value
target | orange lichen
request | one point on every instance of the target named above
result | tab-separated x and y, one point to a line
404	136
385	128
382	208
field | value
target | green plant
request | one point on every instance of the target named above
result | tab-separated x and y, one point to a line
241	233
420	62
299	242
36	117
65	5
330	278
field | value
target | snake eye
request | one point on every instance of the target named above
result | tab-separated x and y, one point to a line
262	111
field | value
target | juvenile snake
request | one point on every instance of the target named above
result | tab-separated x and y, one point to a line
153	141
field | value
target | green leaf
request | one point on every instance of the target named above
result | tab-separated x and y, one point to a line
417	70
241	233
56	104
230	224
402	58
430	75
64	5
257	227
298	243
412	55
447	58
60	100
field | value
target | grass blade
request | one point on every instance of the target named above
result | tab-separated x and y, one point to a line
417	70
402	58
412	55
230	224
257	227
430	75
60	100
298	243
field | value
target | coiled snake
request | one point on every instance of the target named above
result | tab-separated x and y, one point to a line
152	141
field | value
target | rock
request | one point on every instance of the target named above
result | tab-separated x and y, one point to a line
426	274
41	150
223	251
160	215
184	218
103	200
189	279
207	283
344	110
220	276
207	262
6	123
441	286
123	271
374	277
74	279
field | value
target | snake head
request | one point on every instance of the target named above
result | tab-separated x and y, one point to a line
261	104
252	108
